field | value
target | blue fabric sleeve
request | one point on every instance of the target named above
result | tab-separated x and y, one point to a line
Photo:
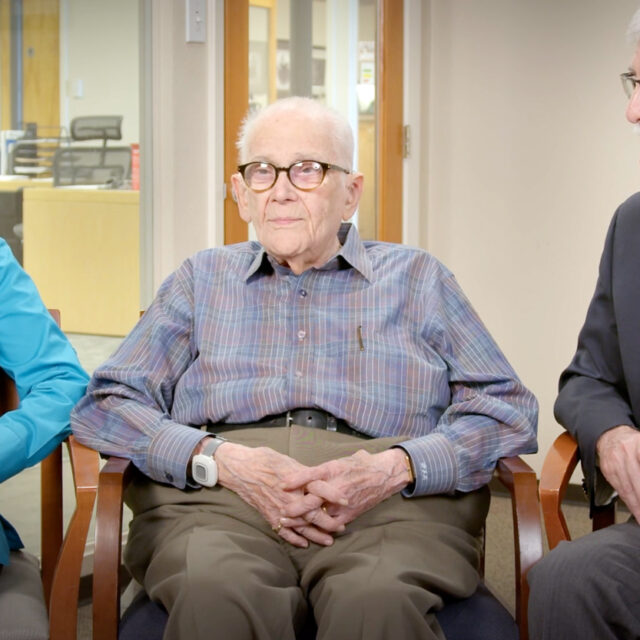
38	357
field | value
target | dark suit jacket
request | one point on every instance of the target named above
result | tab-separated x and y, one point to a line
600	389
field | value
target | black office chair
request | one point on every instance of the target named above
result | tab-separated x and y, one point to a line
96	128
87	165
91	165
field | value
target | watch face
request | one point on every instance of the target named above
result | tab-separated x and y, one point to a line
204	470
200	474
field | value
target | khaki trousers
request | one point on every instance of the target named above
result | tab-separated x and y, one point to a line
221	572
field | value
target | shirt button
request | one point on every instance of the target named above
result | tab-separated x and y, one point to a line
169	477
303	293
298	374
302	335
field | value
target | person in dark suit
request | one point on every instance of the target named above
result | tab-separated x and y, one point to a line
588	588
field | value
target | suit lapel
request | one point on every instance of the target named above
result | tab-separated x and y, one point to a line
626	298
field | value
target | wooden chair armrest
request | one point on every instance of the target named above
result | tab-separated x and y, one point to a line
114	477
65	585
559	464
51	522
521	481
85	464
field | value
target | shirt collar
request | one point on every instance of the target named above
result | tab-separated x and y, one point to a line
352	252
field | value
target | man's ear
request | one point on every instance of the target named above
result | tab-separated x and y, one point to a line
239	193
354	192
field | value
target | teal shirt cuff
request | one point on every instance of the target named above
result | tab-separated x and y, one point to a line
9	540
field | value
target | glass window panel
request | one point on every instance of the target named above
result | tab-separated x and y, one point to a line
325	49
366	91
62	60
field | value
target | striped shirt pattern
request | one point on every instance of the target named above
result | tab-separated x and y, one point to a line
381	336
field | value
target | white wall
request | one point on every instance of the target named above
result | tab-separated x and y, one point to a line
99	62
528	154
187	116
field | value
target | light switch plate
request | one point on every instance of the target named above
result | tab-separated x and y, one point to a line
196	30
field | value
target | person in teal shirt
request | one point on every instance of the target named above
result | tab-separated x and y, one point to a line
38	357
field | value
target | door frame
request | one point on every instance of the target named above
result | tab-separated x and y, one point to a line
389	83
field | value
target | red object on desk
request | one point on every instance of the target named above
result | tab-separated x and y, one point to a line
135	166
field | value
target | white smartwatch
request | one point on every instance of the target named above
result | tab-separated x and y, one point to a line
204	468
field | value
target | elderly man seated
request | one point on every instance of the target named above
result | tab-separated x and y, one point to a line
314	418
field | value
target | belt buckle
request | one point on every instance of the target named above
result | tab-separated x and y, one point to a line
332	423
288	420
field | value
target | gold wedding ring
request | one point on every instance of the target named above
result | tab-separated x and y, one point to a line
324	508
277	529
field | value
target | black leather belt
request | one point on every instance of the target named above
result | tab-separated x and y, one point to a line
312	418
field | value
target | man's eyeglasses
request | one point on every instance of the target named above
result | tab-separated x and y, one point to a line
629	82
305	175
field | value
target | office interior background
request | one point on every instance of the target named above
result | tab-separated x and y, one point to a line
517	153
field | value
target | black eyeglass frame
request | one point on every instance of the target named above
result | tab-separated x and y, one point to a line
324	165
629	82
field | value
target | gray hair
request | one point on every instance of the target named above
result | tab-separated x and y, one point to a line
633	31
338	127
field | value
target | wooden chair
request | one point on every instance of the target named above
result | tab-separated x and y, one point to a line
559	464
514	473
61	558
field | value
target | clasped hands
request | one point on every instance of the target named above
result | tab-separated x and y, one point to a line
310	504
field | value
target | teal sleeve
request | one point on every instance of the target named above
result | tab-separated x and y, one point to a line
9	540
36	354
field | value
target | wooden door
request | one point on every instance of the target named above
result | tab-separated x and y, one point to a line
5	62
41	65
387	146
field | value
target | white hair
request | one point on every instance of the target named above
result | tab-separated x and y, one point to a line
338	128
633	30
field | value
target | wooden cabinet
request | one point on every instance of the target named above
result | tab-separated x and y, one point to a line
82	248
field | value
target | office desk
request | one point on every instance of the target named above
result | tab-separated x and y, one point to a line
81	247
13	183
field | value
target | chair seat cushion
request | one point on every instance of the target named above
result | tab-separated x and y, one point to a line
480	617
23	611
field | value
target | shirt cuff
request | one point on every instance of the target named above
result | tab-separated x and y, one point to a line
603	492
434	463
170	453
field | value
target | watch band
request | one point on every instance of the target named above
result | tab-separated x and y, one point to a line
211	445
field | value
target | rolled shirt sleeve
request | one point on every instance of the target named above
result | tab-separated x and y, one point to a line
490	415
127	409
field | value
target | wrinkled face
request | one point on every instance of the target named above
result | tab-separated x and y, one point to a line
298	228
633	107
